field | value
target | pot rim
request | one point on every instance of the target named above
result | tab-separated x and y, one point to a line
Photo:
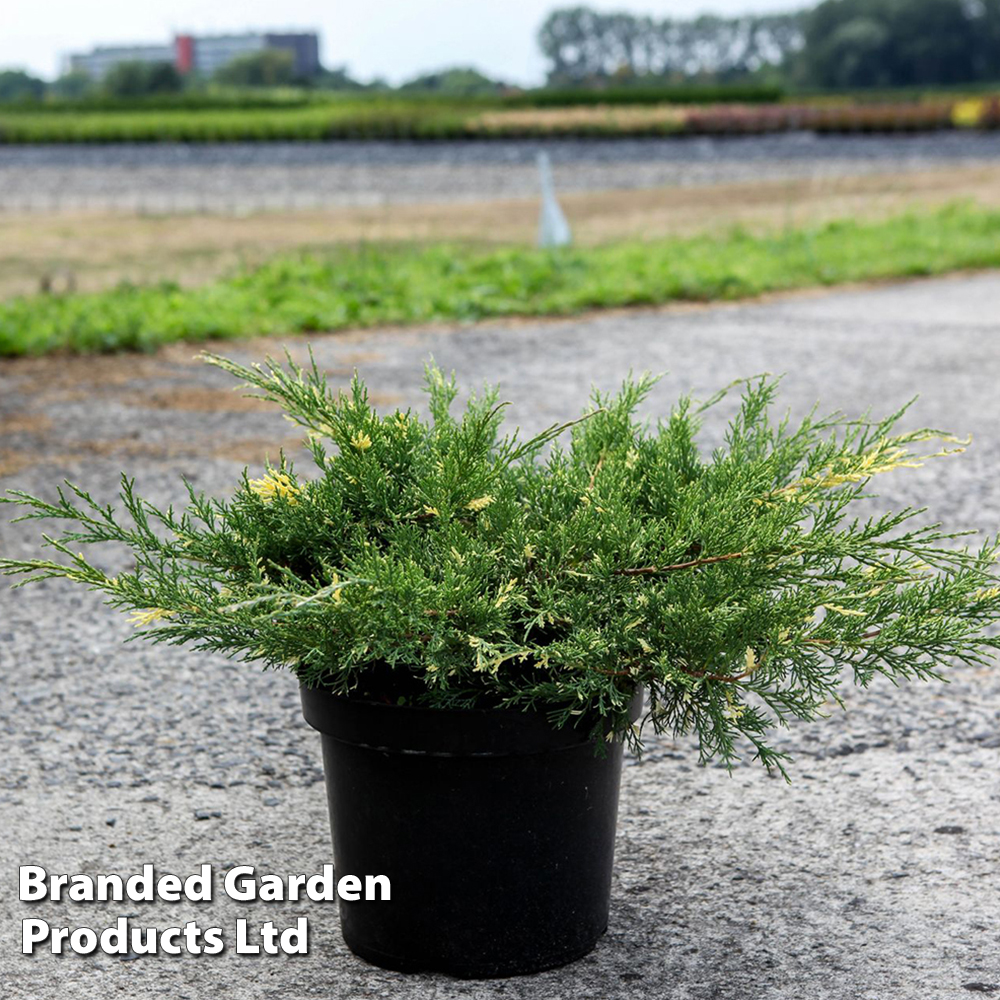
445	732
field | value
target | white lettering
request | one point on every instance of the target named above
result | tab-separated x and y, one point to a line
31	883
295	940
114	940
198	888
143	940
322	888
168	888
108	887
382	881
236	886
83	940
243	947
272	889
214	943
56	882
168	941
349	888
32	932
140	887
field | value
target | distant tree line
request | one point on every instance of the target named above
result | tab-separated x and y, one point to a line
267	69
460	81
902	43
839	43
16	85
584	45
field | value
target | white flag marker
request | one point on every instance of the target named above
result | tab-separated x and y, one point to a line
553	229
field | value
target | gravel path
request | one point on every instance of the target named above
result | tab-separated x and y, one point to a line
244	177
875	875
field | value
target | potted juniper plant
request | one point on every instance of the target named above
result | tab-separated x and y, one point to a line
480	623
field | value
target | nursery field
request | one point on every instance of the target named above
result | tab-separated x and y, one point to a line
377	284
615	113
872	876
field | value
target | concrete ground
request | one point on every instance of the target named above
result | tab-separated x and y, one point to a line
874	875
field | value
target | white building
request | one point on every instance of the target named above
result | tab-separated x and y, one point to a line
99	61
204	54
212	52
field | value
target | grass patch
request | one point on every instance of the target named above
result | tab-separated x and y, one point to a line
380	286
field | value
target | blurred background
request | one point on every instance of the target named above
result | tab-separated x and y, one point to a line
159	144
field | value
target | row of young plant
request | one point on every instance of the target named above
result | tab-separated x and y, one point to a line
885	117
397	118
315	122
226	98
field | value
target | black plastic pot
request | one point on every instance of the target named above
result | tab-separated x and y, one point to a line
495	830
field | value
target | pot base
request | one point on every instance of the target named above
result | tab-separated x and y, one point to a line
400	964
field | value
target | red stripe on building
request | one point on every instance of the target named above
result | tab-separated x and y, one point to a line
184	49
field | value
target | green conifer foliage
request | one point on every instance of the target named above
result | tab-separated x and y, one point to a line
442	563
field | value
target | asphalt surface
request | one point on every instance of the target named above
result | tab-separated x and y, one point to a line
239	177
874	875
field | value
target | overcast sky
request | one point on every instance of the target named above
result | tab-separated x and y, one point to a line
394	39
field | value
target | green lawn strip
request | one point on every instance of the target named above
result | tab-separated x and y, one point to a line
392	285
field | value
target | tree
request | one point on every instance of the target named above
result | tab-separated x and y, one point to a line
933	40
863	43
585	45
985	16
16	85
137	78
855	54
267	68
337	79
72	85
459	81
